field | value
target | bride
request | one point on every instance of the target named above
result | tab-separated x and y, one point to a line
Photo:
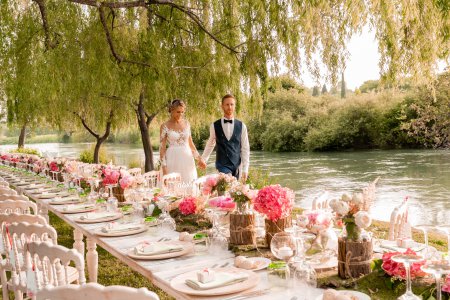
177	150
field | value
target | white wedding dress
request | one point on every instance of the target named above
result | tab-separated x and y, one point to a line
179	158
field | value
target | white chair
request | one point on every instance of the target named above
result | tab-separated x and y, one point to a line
95	291
54	261
321	202
399	226
14	197
152	178
198	185
18	234
135	171
369	194
170	182
18	206
7	191
4	184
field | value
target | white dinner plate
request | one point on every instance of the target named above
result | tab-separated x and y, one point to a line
358	295
179	283
187	248
99	220
76	209
138	228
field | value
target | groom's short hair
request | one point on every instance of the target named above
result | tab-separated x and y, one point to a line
228	96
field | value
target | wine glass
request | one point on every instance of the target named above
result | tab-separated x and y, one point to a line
425	228
112	202
437	268
407	260
282	246
166	222
446	230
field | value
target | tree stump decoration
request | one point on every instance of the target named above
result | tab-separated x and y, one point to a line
242	229
274	227
118	193
354	258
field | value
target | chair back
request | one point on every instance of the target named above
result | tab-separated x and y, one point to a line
4	184
321	202
14	197
399	226
369	194
135	171
198	185
170	182
95	291
152	178
7	191
18	206
54	261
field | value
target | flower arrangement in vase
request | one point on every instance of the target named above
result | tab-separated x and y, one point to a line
349	210
219	183
242	195
276	203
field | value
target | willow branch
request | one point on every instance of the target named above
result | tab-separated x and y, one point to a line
109	39
83	121
108	126
48	43
111	4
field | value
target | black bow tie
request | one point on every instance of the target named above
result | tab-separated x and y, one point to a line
227	121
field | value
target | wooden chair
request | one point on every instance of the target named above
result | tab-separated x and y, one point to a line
54	268
170	182
399	226
152	178
95	291
14	197
18	206
321	202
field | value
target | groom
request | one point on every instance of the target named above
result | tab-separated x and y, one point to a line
230	135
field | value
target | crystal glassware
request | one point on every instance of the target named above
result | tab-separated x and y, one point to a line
166	222
283	246
446	230
437	268
425	229
407	260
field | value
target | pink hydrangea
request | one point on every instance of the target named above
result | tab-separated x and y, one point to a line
188	206
126	181
54	166
274	201
110	176
225	203
397	270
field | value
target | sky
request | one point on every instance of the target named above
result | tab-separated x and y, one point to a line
362	64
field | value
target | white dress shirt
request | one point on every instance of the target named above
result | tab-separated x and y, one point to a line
228	129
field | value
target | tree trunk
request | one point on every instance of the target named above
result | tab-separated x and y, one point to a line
97	150
144	121
22	136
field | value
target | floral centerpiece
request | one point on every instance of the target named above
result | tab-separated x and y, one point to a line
189	206
219	183
276	203
242	195
349	210
110	176
223	203
126	179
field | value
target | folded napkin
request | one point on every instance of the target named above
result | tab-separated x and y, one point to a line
97	216
78	207
64	200
157	248
393	247
121	228
221	279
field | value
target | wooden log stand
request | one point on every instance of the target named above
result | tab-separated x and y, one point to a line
242	229
118	193
274	227
354	258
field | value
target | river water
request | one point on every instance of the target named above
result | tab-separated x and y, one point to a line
421	175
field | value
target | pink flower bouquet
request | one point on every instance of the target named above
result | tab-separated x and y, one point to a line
110	176
126	179
274	201
397	270
188	206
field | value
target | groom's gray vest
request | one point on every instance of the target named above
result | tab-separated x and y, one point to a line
228	152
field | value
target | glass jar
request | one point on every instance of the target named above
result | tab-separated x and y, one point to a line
201	242
278	274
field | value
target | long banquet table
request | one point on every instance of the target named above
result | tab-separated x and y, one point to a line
161	272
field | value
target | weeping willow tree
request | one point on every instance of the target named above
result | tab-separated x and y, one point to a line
154	50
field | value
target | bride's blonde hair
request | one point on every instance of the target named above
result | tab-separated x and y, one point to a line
176	103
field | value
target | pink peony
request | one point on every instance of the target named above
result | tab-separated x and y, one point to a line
110	176
188	206
126	181
397	270
275	202
209	184
225	203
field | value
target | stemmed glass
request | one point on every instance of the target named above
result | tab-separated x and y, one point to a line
112	202
407	260
165	220
425	228
437	268
446	230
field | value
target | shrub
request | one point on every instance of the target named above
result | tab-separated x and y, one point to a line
24	150
87	156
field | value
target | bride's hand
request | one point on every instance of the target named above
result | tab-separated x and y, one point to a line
201	164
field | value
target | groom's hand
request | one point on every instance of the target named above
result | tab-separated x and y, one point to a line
201	164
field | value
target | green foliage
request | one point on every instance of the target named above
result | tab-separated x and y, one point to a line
258	178
136	163
316	91
369	86
87	156
27	151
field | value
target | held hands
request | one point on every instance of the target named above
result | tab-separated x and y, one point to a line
244	177
201	163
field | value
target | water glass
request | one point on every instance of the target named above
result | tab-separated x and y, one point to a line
407	260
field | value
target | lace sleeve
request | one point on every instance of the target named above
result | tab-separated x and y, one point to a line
162	145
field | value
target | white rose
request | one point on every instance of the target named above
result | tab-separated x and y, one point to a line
358	198
363	219
346	197
341	208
